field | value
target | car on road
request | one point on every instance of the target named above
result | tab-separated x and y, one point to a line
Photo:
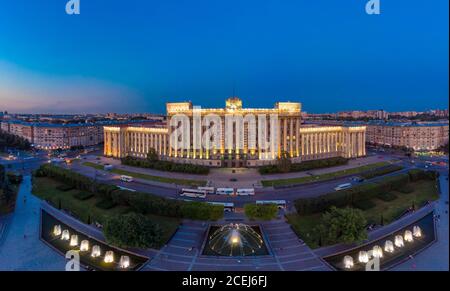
343	186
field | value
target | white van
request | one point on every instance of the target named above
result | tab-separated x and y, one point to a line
343	186
249	191
125	178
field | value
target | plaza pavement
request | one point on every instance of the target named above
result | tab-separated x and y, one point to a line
183	252
20	247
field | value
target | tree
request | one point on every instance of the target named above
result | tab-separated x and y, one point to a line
342	225
132	230
261	211
284	162
152	155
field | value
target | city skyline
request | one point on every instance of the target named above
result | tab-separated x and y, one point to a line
137	57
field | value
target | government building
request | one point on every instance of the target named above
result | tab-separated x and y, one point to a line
235	136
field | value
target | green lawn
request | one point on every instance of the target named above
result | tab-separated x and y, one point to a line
326	176
45	188
424	190
187	182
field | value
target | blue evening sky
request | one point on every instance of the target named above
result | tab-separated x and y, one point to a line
133	56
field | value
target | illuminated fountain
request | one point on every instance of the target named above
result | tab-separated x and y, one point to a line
235	240
74	240
399	241
109	257
377	251
388	246
408	236
363	257
348	262
57	230
65	235
417	232
96	251
124	262
84	246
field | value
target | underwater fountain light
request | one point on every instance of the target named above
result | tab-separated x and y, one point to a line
389	246
408	236
65	235
417	232
109	257
377	251
84	246
235	239
124	262
363	257
399	241
96	251
57	230
74	240
348	262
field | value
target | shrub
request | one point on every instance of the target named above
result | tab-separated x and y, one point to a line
381	171
406	189
14	178
105	204
261	211
83	195
165	166
304	166
364	204
387	196
132	230
346	225
64	187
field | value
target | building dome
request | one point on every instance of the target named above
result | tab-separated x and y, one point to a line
235	240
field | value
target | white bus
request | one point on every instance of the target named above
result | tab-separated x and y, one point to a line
126	178
227	206
249	191
225	191
208	190
280	203
343	186
193	193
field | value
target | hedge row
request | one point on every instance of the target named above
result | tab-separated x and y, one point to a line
305	166
139	202
381	171
352	196
165	166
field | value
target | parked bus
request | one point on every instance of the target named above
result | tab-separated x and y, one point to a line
280	203
343	186
193	193
227	206
225	191
208	190
249	191
125	178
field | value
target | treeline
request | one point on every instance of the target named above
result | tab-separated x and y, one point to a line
8	140
167	166
304	166
351	197
143	203
7	191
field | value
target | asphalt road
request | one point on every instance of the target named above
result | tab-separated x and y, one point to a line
171	191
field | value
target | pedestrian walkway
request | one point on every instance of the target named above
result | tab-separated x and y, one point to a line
183	252
20	246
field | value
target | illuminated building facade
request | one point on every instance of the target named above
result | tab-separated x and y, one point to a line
235	136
